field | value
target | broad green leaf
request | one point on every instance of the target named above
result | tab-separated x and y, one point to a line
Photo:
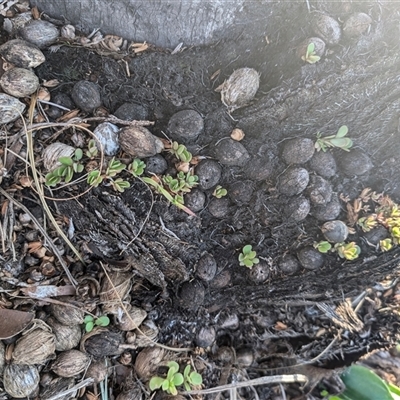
78	154
255	260
196	378
88	318
89	326
177	379
156	382
342	131
173	366
313	59
69	173
78	168
186	371
172	390
65	160
103	321
246	249
251	255
363	384
248	263
310	48
341	142
166	385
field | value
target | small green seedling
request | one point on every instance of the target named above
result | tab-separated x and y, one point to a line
191	379
92	150
385	244
311	56
168	384
180	152
219	192
90	322
137	167
323	246
69	165
114	167
119	185
349	251
248	257
95	178
339	140
367	223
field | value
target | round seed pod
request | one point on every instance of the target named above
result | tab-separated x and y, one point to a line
298	150
35	347
19	21
310	258
132	394
156	165
20	381
206	336
356	25
86	95
53	152
293	181
335	231
19	82
97	370
148	334
66	336
195	200
245	357
147	362
138	141
240	192
10	108
136	317
67	315
319	190
107	134
355	162
56	386
297	209
22	53
101	343
70	363
259	273
324	164
110	294
329	211
41	33
240	88
206	268
209	173
327	28
185	126
319	47
230	152
288	264
374	236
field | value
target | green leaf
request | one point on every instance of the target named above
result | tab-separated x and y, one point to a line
251	254
172	389
341	142
89	326
363	384
248	263
310	48
173	367
247	249
78	154
196	378
177	379
88	318
69	174
255	260
166	385
102	321
186	371
342	132
313	59
156	382
52	180
65	160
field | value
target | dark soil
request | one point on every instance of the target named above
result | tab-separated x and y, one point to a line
186	269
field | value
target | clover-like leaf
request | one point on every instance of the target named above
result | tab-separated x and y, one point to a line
66	160
343	130
196	378
89	326
102	321
156	382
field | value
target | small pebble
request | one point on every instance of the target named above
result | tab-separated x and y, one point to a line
185	126
293	181
297	209
259	169
40	33
221	280
10	108
288	264
205	336
259	273
107	134
195	200
240	192
356	25
327	28
319	190
22	54
335	231
354	162
328	211
191	295
376	234
219	208
324	164
139	142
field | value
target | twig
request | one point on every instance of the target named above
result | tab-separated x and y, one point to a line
78	386
44	233
253	382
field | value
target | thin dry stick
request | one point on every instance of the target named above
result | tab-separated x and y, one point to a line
44	233
295	378
78	386
179	350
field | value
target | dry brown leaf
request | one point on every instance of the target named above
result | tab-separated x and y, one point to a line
44	94
35	13
215	74
69	115
51	83
13	322
25	181
138	47
280	326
